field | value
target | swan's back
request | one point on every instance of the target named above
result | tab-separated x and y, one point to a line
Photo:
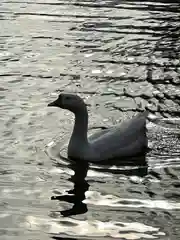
128	138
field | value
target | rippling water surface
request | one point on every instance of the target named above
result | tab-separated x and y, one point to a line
121	57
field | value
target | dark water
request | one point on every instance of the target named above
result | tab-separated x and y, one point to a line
121	57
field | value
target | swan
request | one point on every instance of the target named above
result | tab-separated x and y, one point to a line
127	139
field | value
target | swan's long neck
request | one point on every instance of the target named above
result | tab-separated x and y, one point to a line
79	134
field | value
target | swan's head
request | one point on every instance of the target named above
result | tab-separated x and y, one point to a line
71	102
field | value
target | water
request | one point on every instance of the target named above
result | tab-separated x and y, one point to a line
120	56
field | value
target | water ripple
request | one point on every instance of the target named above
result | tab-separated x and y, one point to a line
122	58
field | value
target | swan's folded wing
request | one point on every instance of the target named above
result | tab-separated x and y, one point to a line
125	136
99	134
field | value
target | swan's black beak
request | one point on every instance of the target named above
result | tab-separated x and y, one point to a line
53	104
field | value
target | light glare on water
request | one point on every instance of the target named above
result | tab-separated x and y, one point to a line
121	57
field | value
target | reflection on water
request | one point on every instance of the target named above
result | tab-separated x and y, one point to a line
122	57
77	194
81	186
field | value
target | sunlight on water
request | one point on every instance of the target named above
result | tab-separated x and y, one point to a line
94	228
113	201
121	57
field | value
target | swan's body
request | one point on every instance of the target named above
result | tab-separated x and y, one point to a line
125	140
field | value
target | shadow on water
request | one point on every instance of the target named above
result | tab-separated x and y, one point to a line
77	194
81	186
63	238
